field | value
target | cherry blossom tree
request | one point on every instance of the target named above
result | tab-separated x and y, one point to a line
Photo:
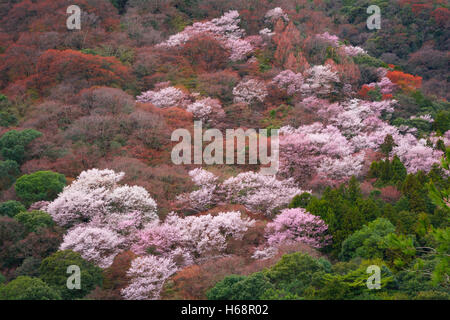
350	116
202	198
385	84
340	170
290	81
225	29
297	225
202	177
259	193
147	277
197	236
97	245
248	91
266	33
240	48
275	14
331	39
164	98
320	81
96	193
208	110
306	149
352	50
415	154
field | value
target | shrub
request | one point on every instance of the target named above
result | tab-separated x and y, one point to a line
11	232
367	242
29	267
240	287
9	170
11	208
40	185
26	288
13	143
53	271
34	220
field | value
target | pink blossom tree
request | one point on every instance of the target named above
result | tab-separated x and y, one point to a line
97	245
225	29
290	81
275	14
259	193
251	90
297	225
320	81
333	40
197	236
164	98
208	110
148	275
96	194
305	150
415	154
352	50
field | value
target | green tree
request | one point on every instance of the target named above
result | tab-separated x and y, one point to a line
34	220
224	290
296	272
40	185
11	232
240	288
27	288
442	121
53	271
399	172
301	200
353	283
387	145
415	192
9	170
29	267
13	143
367	242
10	208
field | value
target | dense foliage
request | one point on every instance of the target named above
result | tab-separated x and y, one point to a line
87	180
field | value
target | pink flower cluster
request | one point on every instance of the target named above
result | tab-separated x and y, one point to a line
251	90
95	195
320	81
331	39
385	84
196	237
259	193
352	50
147	277
275	14
225	29
309	150
297	225
97	245
164	98
289	81
208	110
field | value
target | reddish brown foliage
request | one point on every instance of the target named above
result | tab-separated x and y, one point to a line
390	194
405	81
205	53
115	277
54	66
